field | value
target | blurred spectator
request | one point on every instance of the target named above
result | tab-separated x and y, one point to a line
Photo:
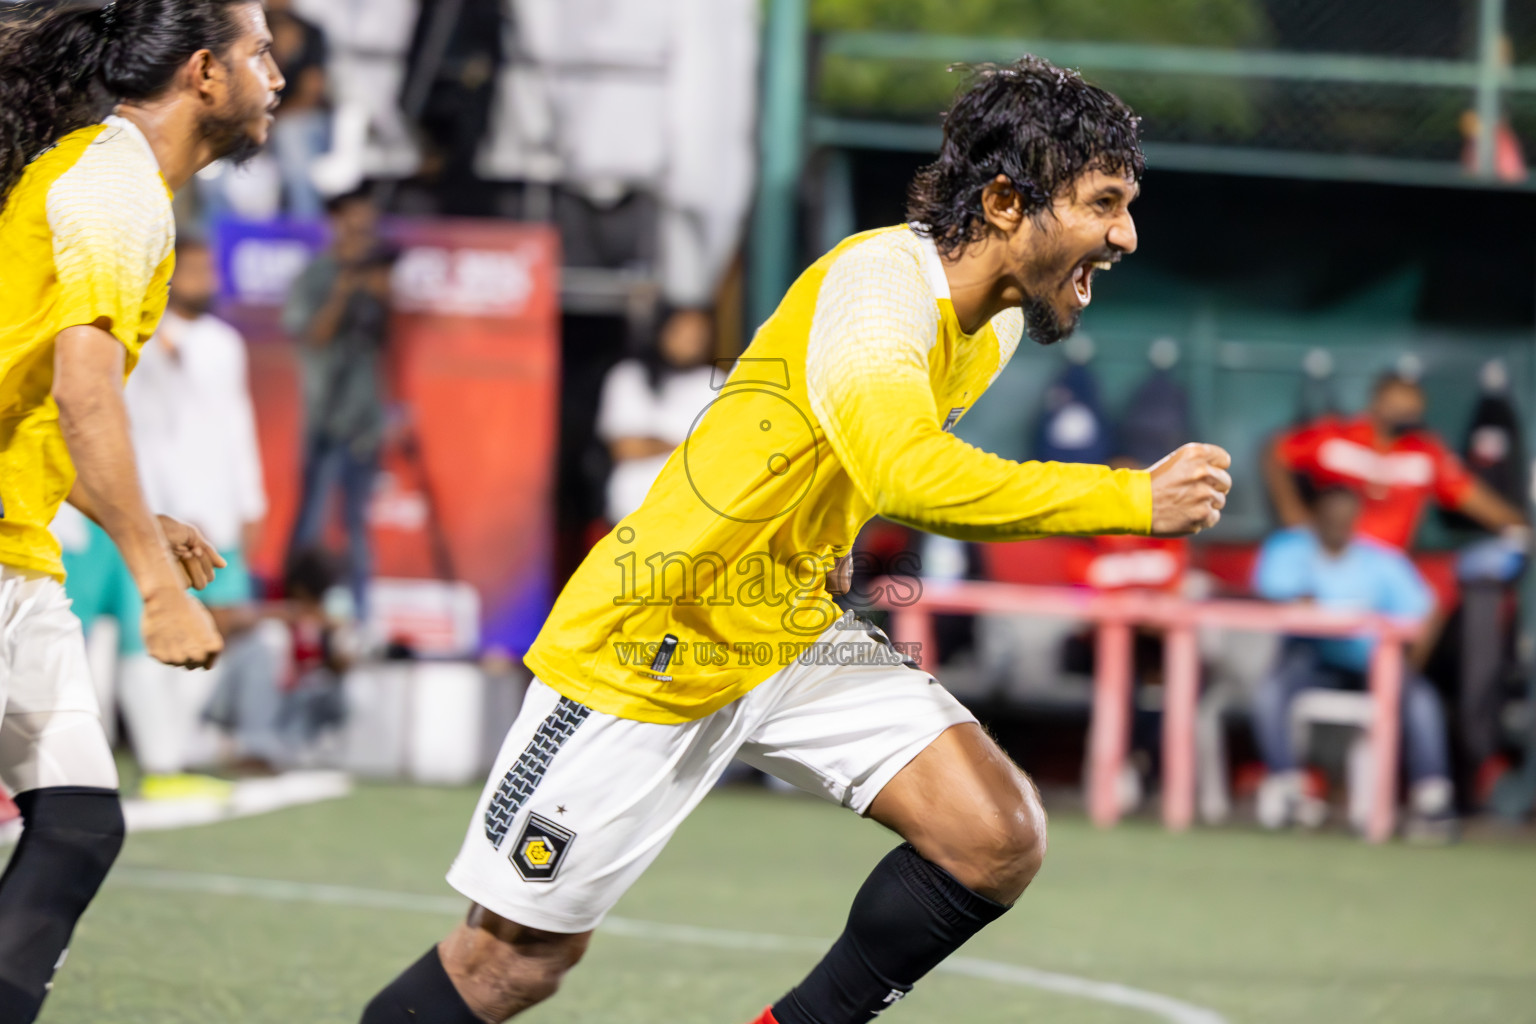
338	311
190	403
1156	417
301	132
650	403
276	718
1072	426
450	84
322	652
1330	565
1390	458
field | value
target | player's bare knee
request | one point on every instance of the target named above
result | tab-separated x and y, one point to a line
1009	846
502	968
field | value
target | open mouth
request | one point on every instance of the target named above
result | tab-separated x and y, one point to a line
1082	280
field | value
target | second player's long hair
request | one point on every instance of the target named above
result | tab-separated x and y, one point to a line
66	68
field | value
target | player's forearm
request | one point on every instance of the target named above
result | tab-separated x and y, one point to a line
94	421
940	484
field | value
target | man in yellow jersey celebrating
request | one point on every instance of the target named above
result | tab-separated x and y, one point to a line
86	237
701	628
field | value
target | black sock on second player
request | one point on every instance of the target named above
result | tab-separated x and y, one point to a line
908	916
422	994
70	836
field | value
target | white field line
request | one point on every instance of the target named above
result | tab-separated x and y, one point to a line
246	799
1163	1007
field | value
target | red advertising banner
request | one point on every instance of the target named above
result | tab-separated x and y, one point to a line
464	491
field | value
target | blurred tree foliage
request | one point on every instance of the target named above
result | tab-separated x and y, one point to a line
1194	105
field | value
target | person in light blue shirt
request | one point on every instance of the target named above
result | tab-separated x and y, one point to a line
1325	563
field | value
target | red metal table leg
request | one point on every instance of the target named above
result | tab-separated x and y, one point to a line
1386	679
1109	730
1181	695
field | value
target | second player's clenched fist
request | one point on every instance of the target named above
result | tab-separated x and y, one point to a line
1189	490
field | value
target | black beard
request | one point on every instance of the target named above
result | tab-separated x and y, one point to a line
230	138
242	150
1042	324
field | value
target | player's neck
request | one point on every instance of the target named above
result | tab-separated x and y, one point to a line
979	288
171	129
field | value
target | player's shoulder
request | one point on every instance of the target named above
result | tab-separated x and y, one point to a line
896	251
108	172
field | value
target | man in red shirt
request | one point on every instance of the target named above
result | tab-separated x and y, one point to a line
1391	459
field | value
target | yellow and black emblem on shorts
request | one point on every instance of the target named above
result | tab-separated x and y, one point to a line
541	849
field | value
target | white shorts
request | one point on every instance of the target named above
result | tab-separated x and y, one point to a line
51	732
580	802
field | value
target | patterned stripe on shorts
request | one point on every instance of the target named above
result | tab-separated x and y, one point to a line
524	776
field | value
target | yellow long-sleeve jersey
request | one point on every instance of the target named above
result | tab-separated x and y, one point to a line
839	410
86	237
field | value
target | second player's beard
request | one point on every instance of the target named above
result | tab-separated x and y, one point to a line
229	134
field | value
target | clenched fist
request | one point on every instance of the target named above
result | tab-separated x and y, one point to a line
1189	490
179	631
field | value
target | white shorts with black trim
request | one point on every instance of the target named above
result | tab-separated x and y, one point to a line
580	802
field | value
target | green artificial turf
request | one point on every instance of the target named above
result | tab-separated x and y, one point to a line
1255	927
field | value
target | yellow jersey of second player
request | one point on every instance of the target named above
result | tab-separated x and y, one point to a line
86	237
839	410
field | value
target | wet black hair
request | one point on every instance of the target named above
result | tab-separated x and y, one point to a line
64	66
1039	125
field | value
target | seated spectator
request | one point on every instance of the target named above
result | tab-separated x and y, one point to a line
1329	563
1390	459
277	717
650	403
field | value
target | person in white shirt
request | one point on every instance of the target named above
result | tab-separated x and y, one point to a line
650	403
190	405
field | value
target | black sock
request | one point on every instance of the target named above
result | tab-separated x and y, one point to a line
908	916
70	836
423	994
